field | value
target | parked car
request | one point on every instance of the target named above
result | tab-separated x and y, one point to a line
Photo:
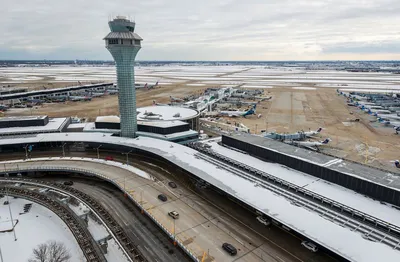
263	220
172	184
109	158
173	214
229	248
162	197
68	183
310	246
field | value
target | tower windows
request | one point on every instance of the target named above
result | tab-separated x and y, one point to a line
112	41
137	42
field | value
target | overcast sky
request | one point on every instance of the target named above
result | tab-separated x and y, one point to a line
206	29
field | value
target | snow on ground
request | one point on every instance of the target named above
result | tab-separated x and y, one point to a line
343	241
255	86
37	226
114	253
340	194
303	88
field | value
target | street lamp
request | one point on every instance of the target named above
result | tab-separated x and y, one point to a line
127	156
63	151
98	152
26	151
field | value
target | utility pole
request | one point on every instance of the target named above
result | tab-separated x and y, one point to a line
63	151
127	156
98	152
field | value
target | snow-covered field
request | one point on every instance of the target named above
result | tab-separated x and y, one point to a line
198	75
37	226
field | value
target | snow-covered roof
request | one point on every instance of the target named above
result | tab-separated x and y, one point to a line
21	118
108	119
382	177
340	240
54	125
165	113
163	124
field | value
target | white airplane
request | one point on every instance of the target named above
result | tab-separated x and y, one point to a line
313	133
388	117
175	99
79	98
377	111
310	144
251	111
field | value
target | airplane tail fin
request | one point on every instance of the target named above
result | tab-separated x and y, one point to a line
326	141
397	163
319	129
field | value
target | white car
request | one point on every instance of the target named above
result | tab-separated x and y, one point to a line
310	246
263	220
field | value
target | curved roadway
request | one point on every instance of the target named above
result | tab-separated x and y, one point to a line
201	228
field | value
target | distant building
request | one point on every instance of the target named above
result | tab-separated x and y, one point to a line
24	125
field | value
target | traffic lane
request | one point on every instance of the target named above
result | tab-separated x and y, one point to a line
286	245
137	180
276	237
156	248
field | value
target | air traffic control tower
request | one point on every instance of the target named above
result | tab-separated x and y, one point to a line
123	44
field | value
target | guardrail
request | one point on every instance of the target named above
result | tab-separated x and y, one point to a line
380	224
187	250
86	242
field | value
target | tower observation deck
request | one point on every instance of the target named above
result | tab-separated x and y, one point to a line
123	44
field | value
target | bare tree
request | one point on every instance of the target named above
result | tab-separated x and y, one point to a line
51	251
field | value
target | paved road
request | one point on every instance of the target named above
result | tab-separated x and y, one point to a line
152	242
202	227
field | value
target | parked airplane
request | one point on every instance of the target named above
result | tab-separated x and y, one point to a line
251	111
79	98
57	98
389	122
176	99
378	111
113	91
310	144
35	101
388	117
313	133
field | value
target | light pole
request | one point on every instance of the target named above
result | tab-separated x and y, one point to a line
26	151
98	152
63	151
12	220
127	156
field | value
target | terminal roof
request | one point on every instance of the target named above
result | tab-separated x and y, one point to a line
375	175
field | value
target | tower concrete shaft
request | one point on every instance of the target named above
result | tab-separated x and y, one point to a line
124	44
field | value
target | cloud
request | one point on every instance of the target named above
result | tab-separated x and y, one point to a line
204	30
